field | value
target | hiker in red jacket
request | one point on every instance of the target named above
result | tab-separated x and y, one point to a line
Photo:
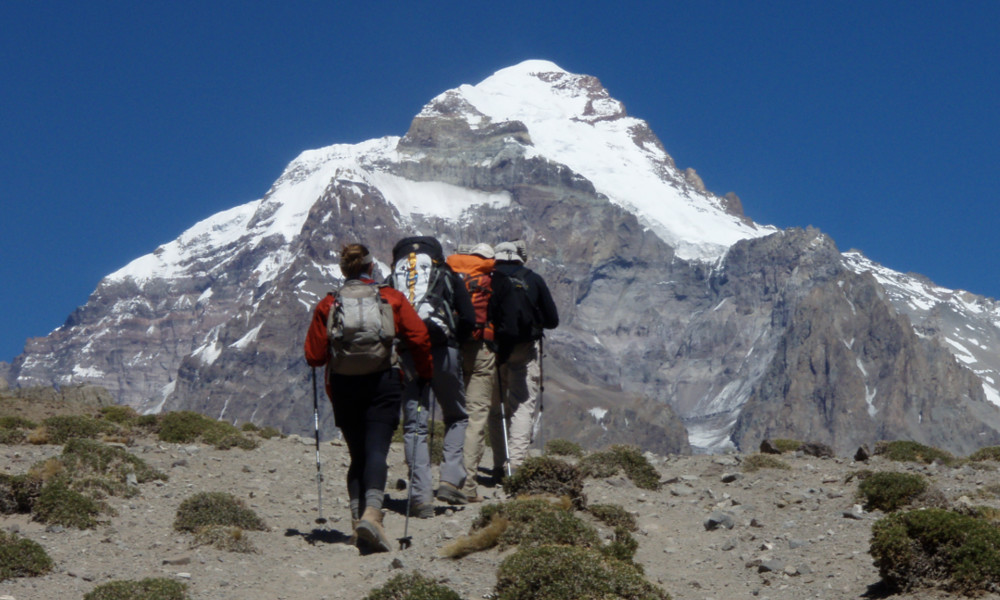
366	391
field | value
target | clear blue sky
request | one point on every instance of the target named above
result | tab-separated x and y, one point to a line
123	123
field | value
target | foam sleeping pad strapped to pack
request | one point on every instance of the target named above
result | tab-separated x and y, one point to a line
419	271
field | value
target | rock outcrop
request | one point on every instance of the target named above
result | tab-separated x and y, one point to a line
684	324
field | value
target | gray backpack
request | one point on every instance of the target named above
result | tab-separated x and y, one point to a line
360	330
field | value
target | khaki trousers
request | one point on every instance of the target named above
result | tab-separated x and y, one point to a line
482	403
520	379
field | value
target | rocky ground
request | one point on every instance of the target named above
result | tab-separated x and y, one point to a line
795	534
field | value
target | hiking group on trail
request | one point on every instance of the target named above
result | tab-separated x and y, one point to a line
463	334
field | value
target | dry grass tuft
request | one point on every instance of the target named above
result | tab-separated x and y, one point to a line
479	540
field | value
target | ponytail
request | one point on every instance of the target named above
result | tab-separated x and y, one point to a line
354	260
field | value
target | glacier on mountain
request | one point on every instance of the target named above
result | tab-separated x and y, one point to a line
203	297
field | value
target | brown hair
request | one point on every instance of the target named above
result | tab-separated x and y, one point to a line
354	260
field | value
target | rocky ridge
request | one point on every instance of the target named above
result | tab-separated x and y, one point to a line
685	324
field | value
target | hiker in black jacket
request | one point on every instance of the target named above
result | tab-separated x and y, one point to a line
521	308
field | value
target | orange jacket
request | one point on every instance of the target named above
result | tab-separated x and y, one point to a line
475	272
409	328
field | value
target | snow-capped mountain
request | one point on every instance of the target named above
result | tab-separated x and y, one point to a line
676	308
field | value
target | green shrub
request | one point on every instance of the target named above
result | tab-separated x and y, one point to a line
149	423
563	448
12	436
66	489
537	522
18	493
84	458
559	527
889	491
62	428
613	515
986	513
57	504
756	462
622	547
216	508
153	588
988	453
546	475
21	557
571	573
519	510
413	586
224	537
626	458
123	415
182	426
225	436
249	427
937	548
786	445
15	422
270	432
533	521
907	451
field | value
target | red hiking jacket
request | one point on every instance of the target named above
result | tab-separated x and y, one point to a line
410	329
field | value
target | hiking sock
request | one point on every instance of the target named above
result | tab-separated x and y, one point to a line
373	498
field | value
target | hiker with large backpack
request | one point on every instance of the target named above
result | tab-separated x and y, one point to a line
521	308
352	333
482	400
420	272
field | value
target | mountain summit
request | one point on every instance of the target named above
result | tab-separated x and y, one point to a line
685	324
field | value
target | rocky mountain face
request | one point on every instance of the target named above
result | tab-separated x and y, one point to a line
684	324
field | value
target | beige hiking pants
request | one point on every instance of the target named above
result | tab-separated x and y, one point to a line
520	378
482	402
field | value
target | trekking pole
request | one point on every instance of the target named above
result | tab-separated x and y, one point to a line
503	423
541	390
319	473
407	540
430	443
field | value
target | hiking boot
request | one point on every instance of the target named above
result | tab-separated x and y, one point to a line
370	531
354	532
449	493
422	510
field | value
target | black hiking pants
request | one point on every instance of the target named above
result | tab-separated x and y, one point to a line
366	410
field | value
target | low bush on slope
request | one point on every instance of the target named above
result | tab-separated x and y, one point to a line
412	586
937	548
20	557
628	459
153	588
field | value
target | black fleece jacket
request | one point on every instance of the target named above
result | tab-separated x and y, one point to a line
538	293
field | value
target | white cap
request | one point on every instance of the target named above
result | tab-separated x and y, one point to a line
507	251
484	250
